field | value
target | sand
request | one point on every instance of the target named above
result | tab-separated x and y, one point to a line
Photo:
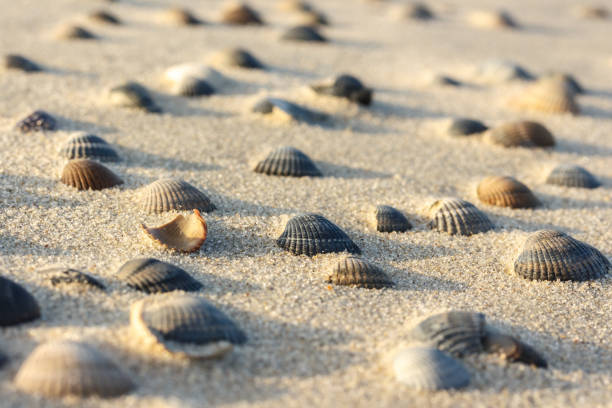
309	344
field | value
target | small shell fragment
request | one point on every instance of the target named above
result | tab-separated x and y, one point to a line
104	17
346	86
443	80
288	161
460	217
569	175
73	32
88	146
236	57
547	95
520	134
37	121
184	234
286	111
170	194
458	127
68	276
429	369
180	16
240	14
354	271
388	219
506	192
20	63
17	305
152	276
492	20
513	349
303	33
133	95
85	174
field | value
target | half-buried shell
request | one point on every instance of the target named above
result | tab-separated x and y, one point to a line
413	11
388	219
104	17
491	20
512	349
170	194
569	175
59	276
133	95
286	111
85	174
287	161
20	63
37	121
240	14
17	305
520	134
236	57
180	16
73	32
345	86
152	276
87	146
354	271
458	127
547	95
194	79
429	369
184	234
460	217
303	33
506	192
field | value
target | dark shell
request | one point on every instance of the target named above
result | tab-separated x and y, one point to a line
554	255
133	95
17	305
522	133
288	161
303	33
89	147
443	80
312	234
181	16
173	194
513	349
85	174
429	369
104	17
347	86
70	32
36	122
572	176
353	271
193	87
506	192
238	57
61	276
241	14
292	110
388	219
466	127
417	11
152	276
18	62
459	217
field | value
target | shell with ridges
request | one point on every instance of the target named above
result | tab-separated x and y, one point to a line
21	63
547	95
17	305
87	146
354	271
388	219
169	194
184	234
287	161
520	134
512	349
459	217
303	33
429	369
85	174
569	175
67	276
152	276
506	192
37	121
133	95
240	14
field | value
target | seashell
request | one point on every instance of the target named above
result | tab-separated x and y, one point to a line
465	127
313	18
192	87
513	349
523	133
104	17
240	14
236	57
180	16
429	369
133	95
73	32
546	95
459	217
496	71
569	175
180	74
288	161
554	255
565	80
61	276
85	174
37	121
353	271
185	325
413	11
185	234
491	20
345	86
152	276
443	80
288	111
20	63
388	219
591	11
303	33
17	305
88	146
61	368
170	194
312	234
294	5
506	192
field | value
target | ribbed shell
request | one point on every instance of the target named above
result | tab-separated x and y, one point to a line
387	219
456	332
18	62
89	147
180	16
289	110
569	175
513	349
288	161
104	17
494	71
133	95
152	276
506	192
304	34
63	276
184	234
237	57
547	95
312	234
73	32
61	368
522	133
565	80
37	121
554	255
429	369
174	195
85	174
465	127
354	271
17	305
240	14
346	86
192	87
459	217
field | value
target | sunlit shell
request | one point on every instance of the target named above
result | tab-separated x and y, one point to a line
184	234
63	368
506	192
179	76
192	87
288	161
104	17
459	217
520	134
85	174
554	255
286	111
384	218
512	349
37	121
591	11
294	5
236	57
491	20
496	71
546	95
465	127
88	146
67	276
569	175
565	80
240	14
429	369
184	325
133	95
312	18
73	32
17	305
180	16
413	11
312	234
20	63
354	271
345	86
170	194
303	33
152	276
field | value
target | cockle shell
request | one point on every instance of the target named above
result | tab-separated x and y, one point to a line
429	369
565	80
73	32
413	11
506	192
569	175
152	276
133	95
88	146
345	86
240	14
180	16
236	57
184	234
554	255
68	276
303	33
287	161
288	111
312	234
354	271
85	174
170	194
459	217
62	368
546	95
512	349
17	305
465	127
387	219
20	63
491	20
496	71
37	121
523	133
104	17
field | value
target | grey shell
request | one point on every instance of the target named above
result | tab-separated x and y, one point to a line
105	17
76	33
418	11
37	121
133	95
465	127
554	255
239	57
297	112
89	147
353	271
522	133
152	276
288	161
303	34
174	195
61	276
193	87
429	369
346	86
459	217
312	234
17	305
388	219
18	62
85	174
572	176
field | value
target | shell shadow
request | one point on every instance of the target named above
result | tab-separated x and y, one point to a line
69	124
385	109
552	202
337	170
291	71
582	148
228	242
511	223
595	112
408	280
135	157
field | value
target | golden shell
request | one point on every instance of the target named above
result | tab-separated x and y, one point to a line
184	234
548	95
523	133
506	192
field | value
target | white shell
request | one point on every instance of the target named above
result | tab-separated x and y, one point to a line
430	369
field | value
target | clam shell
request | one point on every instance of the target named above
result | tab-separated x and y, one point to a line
20	63
491	20
413	11
240	14
429	369
170	194
104	17
513	349
184	234
85	174
522	133
236	57
182	74
506	192
289	111
346	86
62	368
546	95
459	217
567	81
87	146
133	95
37	121
569	175
185	325
354	271
180	16
17	305
495	71
68	276
465	127
73	32
312	234
288	161
152	276
303	33
554	255
388	219
313	18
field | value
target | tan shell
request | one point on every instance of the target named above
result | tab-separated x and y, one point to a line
170	194
104	17
523	133
180	16
185	234
491	20
62	368
73	32
294	5
240	14
384	218
506	192
85	174
354	271
548	95
458	217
